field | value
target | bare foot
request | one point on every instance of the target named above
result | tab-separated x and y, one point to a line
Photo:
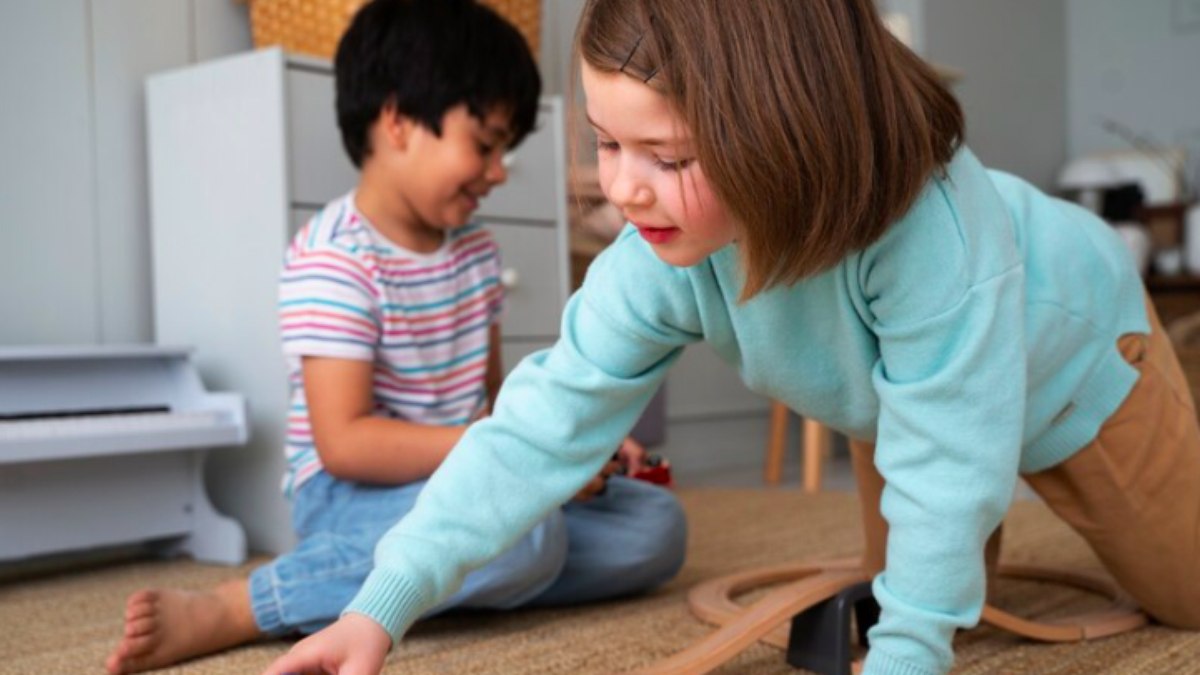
163	627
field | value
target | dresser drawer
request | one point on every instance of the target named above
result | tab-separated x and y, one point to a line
534	175
320	169
533	284
511	352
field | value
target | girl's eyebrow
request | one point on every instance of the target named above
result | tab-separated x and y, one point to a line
648	142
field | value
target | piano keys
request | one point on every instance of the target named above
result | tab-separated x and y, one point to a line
104	446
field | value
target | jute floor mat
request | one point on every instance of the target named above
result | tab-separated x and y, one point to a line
67	622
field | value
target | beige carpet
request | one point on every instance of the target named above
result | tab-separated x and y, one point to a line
66	623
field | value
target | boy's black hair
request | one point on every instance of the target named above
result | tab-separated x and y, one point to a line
428	56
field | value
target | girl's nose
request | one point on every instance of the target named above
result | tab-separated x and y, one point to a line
628	190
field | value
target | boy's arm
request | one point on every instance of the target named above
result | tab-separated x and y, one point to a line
356	445
494	375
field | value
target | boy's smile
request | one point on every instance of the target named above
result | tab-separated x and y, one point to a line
417	184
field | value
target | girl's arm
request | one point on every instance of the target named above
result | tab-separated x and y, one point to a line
945	293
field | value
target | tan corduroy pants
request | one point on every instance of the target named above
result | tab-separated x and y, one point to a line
1133	493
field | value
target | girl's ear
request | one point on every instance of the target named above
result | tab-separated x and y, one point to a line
394	128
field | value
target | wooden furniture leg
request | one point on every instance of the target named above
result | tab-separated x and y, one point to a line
777	444
870	491
817	443
817	439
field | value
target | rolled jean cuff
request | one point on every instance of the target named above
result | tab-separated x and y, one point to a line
265	604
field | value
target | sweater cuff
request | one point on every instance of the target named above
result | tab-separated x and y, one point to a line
882	663
390	600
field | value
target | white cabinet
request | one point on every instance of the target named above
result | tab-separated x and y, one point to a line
242	151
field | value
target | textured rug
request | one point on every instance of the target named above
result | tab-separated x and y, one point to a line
66	622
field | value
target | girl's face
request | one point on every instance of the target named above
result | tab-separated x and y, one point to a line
649	171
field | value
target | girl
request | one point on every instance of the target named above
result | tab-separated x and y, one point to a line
799	197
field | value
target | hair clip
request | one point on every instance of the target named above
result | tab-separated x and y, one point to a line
633	50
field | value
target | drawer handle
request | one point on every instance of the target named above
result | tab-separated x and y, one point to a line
509	278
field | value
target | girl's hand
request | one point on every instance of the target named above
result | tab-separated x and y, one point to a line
353	645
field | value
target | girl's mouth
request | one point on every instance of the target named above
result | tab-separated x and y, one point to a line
657	235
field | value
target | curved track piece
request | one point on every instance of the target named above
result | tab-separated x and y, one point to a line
810	583
1122	616
755	621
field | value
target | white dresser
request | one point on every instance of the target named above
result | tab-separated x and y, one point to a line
243	151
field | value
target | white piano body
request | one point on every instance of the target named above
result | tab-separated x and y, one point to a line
103	446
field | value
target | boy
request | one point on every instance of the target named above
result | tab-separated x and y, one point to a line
389	303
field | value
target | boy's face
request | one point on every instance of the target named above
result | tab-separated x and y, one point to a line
441	179
648	169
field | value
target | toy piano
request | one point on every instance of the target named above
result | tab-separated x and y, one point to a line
104	446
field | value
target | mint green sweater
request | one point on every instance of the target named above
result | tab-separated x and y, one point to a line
975	340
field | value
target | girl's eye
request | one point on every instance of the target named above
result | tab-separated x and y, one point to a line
674	164
607	146
485	149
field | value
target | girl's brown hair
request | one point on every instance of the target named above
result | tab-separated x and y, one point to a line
815	127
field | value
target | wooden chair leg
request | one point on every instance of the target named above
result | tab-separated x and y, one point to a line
816	446
870	492
777	444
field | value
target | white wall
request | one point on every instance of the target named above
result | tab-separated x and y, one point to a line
1137	63
74	267
49	269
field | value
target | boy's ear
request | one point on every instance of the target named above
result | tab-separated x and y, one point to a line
394	129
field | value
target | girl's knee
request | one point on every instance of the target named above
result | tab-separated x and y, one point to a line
1178	610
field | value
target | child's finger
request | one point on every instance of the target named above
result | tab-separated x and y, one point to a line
593	487
292	664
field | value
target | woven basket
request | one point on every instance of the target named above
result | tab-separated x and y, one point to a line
314	26
1185	336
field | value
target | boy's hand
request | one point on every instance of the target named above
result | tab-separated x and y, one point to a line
596	486
353	645
627	460
632	457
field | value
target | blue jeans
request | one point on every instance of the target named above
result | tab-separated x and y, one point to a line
628	540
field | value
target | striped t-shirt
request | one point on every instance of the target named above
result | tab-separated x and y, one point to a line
422	319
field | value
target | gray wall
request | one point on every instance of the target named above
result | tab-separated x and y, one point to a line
74	266
1137	63
1013	59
